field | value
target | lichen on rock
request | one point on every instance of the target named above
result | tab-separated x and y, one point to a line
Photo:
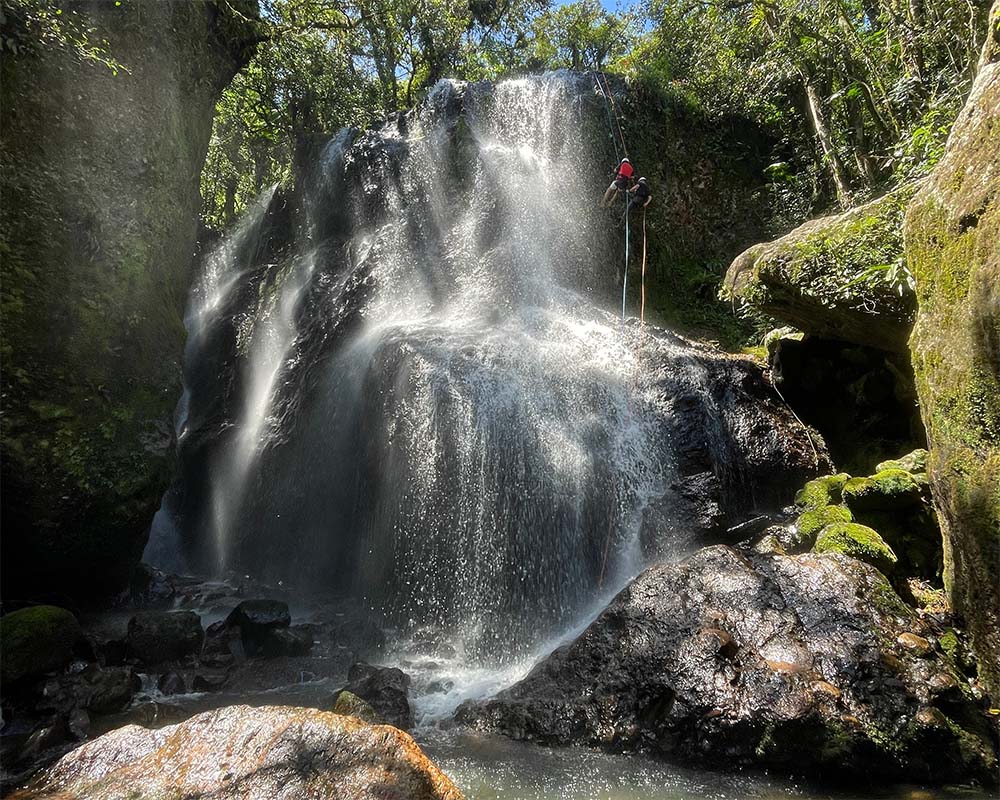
952	232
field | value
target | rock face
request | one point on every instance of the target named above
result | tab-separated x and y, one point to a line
828	277
101	199
248	753
797	662
384	689
36	640
953	249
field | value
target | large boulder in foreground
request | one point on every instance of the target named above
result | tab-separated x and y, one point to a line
100	183
953	249
830	277
804	663
269	753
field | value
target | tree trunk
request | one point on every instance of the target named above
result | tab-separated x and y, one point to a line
825	138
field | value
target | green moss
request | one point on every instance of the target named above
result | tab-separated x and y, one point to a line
351	705
811	522
842	277
36	640
822	492
891	489
915	463
857	541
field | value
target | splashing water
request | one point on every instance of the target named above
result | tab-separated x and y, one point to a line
415	403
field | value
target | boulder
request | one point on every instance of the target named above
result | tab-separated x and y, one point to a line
171	683
348	703
857	541
915	462
838	277
268	753
292	641
791	662
952	232
256	616
889	490
809	523
36	640
385	689
97	228
158	636
821	492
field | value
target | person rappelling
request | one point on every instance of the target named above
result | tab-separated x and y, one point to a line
621	183
641	196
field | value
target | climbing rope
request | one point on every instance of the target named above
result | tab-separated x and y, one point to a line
609	97
625	274
611	125
642	302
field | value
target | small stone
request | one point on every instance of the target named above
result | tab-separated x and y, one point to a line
824	687
931	718
79	723
917	645
171	683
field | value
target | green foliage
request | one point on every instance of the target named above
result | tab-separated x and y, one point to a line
855	92
39	24
580	35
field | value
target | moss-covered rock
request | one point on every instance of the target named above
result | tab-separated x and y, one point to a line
830	276
822	492
915	462
36	640
889	490
952	233
97	229
857	541
811	522
351	705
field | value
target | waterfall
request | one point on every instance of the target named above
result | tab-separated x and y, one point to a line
401	386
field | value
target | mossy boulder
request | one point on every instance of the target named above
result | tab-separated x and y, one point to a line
822	492
100	183
952	233
832	277
351	705
889	490
915	462
36	640
811	522
857	541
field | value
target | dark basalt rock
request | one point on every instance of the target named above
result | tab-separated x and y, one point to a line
259	615
796	662
158	636
385	689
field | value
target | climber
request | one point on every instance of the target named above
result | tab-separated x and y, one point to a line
623	176
641	196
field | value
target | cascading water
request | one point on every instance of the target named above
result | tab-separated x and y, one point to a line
414	400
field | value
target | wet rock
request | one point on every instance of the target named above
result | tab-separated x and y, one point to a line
79	724
171	683
386	689
250	754
36	640
208	683
101	690
740	658
350	704
158	636
917	645
292	641
45	738
257	616
258	622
